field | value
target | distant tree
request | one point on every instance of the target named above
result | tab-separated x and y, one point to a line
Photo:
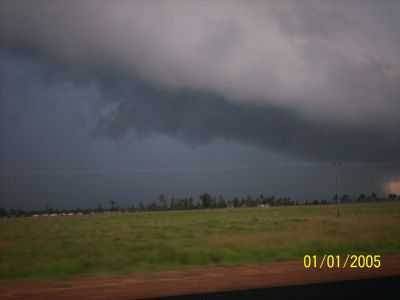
373	197
179	203
141	206
112	205
271	201
172	204
187	203
190	203
99	207
3	212
163	202
236	202
206	200
361	198
12	212
213	202
260	200
153	206
249	202
221	202
345	198
286	201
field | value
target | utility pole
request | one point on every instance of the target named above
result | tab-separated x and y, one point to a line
337	164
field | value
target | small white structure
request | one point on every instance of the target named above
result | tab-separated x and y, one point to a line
264	205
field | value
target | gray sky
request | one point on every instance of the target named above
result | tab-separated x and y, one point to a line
125	100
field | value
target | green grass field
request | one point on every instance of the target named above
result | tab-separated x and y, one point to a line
108	244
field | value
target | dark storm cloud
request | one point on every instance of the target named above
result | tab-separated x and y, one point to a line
118	104
82	82
73	139
200	118
331	60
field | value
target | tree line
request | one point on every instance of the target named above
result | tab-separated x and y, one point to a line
204	201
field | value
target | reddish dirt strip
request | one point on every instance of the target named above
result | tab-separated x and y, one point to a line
194	281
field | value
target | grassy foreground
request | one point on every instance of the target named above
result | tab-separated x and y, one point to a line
119	243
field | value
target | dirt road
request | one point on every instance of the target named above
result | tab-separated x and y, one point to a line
198	280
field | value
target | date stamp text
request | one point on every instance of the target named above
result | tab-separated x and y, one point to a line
349	261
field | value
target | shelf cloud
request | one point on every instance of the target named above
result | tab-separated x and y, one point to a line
306	81
332	60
